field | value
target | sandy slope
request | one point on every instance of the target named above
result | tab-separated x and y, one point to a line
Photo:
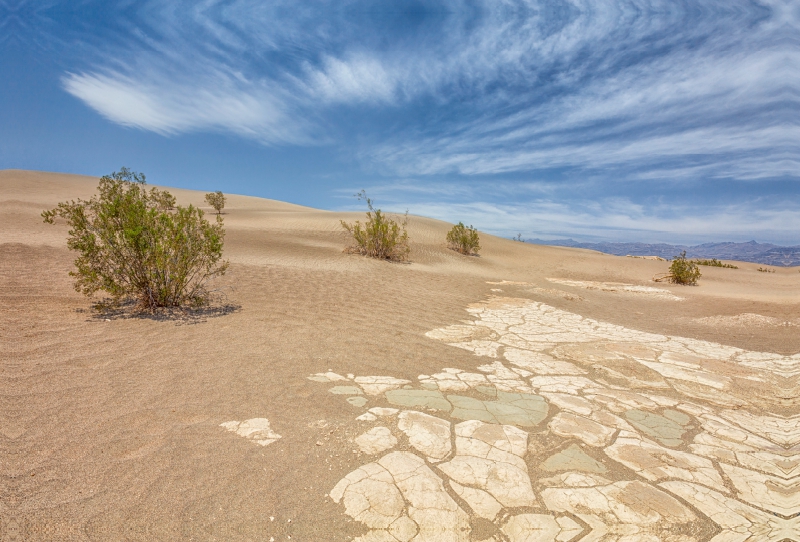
111	429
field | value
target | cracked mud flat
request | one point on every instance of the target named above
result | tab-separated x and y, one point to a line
574	429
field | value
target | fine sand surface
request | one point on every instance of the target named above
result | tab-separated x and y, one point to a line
532	393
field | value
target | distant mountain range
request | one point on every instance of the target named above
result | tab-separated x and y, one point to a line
751	251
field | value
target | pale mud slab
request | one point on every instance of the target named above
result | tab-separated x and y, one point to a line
621	287
429	435
256	430
744	320
579	429
376	440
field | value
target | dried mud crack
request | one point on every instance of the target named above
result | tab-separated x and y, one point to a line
669	448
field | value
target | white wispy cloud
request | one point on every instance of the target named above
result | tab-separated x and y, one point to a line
224	102
680	107
598	90
598	83
358	78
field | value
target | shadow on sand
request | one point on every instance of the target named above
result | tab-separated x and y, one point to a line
105	311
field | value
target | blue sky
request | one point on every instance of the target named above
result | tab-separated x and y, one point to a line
642	120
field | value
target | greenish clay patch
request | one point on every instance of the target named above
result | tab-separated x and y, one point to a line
665	430
676	416
357	401
487	390
519	409
419	398
319	378
429	386
346	390
573	459
467	408
524	400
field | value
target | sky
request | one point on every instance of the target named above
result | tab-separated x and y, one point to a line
601	120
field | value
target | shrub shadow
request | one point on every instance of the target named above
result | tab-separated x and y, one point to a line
104	311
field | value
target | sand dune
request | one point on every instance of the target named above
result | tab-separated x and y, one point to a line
342	385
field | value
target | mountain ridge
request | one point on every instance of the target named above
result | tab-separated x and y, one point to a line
749	251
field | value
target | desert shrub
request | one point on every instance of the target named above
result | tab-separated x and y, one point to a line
381	236
130	248
163	199
464	239
765	270
681	271
216	200
713	262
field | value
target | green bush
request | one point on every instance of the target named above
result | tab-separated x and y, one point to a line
381	236
464	239
713	262
683	271
131	248
216	200
163	199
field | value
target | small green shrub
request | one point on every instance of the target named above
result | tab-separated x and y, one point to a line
381	236
765	270
163	199
713	262
131	248
683	271
216	200
464	239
